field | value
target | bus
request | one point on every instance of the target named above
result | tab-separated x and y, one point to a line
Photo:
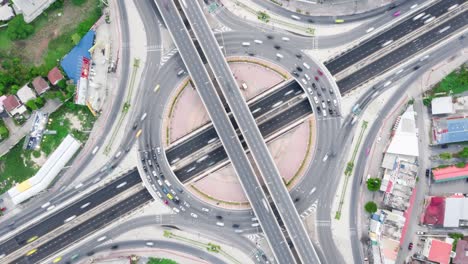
339	21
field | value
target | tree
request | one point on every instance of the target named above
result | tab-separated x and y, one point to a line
40	102
18	29
78	2
373	184
31	104
370	207
463	154
76	38
460	165
445	155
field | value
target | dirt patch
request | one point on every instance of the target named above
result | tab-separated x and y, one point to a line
74	121
39	160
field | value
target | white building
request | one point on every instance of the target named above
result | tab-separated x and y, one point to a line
31	8
25	94
456	212
442	105
6	12
47	173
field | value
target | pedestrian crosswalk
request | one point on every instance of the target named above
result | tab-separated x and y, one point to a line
310	210
222	28
167	56
253	237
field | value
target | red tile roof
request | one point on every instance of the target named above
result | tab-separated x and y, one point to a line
10	103
40	85
451	172
54	76
440	251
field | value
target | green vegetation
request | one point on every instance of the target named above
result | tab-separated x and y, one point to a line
460	165
427	100
18	29
160	261
373	184
349	170
35	104
443	166
445	155
78	2
29	50
4	132
370	207
60	122
263	16
456	237
456	82
16	166
463	154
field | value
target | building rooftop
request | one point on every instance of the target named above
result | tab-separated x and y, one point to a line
450	173
405	141
437	251
10	103
25	94
72	62
40	85
6	12
442	105
449	130
456	210
54	76
462	253
31	8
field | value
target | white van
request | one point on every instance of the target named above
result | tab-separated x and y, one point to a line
279	56
285	39
258	41
167	183
219	223
245	44
306	65
295	17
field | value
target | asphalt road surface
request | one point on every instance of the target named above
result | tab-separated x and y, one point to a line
392	34
225	130
76	209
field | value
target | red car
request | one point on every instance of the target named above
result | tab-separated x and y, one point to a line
3	209
319	72
166	202
410	246
316	78
397	13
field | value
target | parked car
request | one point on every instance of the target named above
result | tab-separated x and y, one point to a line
410	246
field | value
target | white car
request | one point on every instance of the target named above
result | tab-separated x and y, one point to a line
316	100
324	105
324	113
285	39
182	208
186	204
194	215
304	81
310	90
205	209
167	183
173	192
176	210
334	102
258	41
154	173
159	194
307	77
160	182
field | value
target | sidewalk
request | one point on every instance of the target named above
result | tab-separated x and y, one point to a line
333	7
17	133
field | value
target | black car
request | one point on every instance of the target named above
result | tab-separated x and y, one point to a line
428	172
295	73
318	109
297	199
277	47
251	54
135	125
299	68
270	37
330	111
313	85
235	226
115	247
410	246
416	67
331	91
219	217
319	94
298	55
310	20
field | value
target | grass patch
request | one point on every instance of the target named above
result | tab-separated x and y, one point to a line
456	82
4	132
16	166
59	122
5	42
160	261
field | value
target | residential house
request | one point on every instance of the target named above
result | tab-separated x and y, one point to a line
40	85
25	94
13	106
54	76
31	8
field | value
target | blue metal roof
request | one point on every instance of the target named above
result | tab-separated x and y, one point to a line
457	131
71	63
